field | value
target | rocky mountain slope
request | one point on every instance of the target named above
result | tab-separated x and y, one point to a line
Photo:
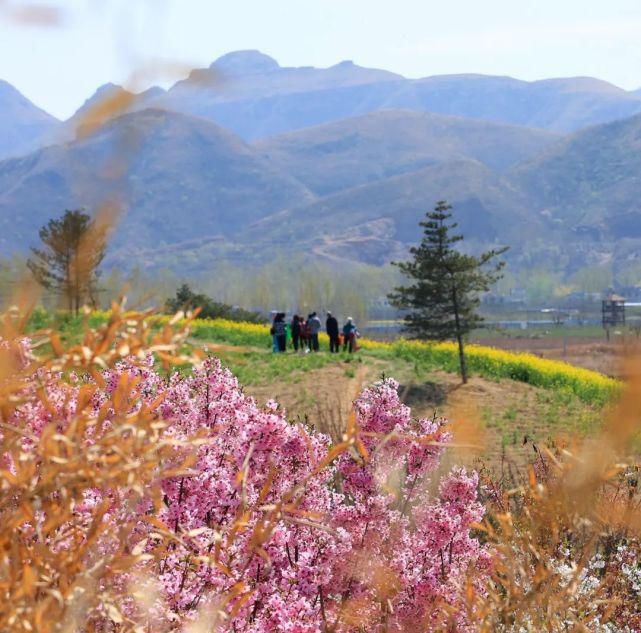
590	182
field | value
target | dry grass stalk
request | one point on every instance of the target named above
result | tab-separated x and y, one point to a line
60	570
55	567
564	530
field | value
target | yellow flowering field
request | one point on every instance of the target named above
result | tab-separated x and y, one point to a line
489	362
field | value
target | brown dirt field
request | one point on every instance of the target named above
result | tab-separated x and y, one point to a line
505	423
494	423
588	352
322	398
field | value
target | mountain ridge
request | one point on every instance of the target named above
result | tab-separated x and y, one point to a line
22	123
251	94
369	147
353	189
175	176
278	99
255	97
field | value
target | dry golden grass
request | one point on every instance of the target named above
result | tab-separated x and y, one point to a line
59	570
576	502
51	572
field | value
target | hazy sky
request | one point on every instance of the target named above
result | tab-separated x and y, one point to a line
90	42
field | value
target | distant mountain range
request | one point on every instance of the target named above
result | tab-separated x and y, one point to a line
249	94
177	177
357	151
22	124
245	160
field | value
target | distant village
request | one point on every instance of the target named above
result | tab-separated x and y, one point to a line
616	309
610	308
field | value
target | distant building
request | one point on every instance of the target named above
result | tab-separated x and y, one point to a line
613	311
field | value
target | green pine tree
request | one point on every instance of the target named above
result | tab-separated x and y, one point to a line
443	296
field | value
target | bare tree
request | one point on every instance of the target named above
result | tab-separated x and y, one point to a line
73	248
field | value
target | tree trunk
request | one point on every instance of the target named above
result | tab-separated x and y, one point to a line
77	278
67	283
459	338
77	289
461	357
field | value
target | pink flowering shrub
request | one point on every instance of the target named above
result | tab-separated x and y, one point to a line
360	540
270	528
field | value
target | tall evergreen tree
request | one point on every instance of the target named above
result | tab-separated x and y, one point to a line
73	248
443	296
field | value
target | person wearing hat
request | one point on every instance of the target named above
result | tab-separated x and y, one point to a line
331	327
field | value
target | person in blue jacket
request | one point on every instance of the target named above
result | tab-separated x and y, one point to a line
349	335
314	326
279	332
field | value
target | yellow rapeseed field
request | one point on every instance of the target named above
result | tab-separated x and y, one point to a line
489	362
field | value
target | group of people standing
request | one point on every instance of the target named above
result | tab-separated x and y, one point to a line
304	333
349	334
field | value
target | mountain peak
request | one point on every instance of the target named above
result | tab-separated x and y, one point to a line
6	87
22	123
12	97
250	62
108	86
106	91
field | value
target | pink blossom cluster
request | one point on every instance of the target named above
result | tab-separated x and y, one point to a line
279	531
